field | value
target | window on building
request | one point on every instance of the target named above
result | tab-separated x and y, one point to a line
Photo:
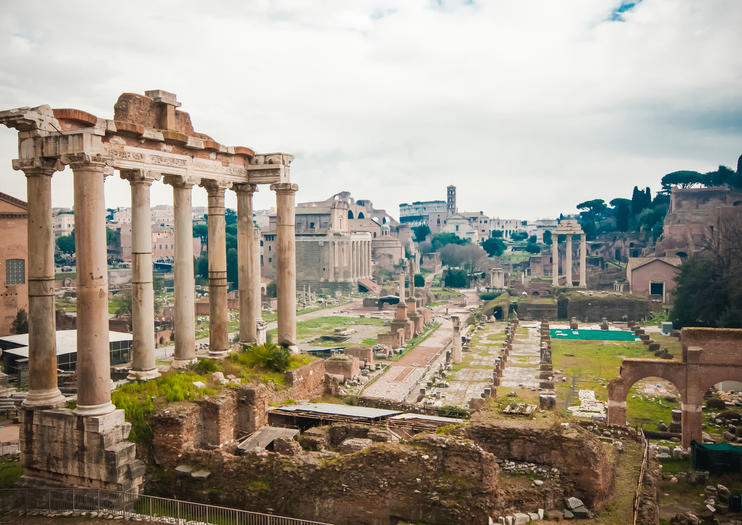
311	225
269	247
15	271
656	288
270	259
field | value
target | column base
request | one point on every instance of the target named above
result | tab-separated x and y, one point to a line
216	354
182	363
143	375
94	410
51	398
294	349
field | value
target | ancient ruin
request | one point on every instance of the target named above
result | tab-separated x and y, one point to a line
148	139
568	228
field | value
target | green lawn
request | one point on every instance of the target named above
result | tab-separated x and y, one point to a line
326	324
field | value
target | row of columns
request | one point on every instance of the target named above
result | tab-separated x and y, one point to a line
568	260
349	260
93	353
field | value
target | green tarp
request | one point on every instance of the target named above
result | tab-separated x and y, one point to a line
592	335
718	457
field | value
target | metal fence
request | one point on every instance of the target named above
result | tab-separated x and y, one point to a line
136	506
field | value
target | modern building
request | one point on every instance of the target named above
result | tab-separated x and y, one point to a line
63	223
508	226
462	227
15	351
13	260
416	214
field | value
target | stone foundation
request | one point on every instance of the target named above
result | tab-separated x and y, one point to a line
60	448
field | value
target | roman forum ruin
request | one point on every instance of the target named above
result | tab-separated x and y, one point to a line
147	140
568	228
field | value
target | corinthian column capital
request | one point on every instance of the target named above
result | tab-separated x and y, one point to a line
285	187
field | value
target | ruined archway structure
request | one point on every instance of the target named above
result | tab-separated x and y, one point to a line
710	356
148	139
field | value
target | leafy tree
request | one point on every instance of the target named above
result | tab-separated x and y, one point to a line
66	243
533	239
494	246
271	290
201	230
593	207
709	291
202	267
532	247
232	273
419	280
682	178
112	236
421	232
622	210
497	234
442	239
230	216
455	278
20	323
519	236
547	237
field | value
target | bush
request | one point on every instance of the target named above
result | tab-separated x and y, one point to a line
419	280
268	356
455	279
488	296
453	411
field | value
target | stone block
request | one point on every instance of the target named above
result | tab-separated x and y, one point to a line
351	445
105	422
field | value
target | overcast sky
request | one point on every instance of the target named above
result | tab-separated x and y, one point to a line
527	106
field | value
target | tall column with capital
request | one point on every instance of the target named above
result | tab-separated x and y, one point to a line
257	288
246	263
286	266
218	318
185	291
583	261
142	291
554	259
568	260
43	391
93	351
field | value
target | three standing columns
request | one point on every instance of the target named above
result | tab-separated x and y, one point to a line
43	391
286	265
568	260
246	264
218	315
93	354
185	299
142	300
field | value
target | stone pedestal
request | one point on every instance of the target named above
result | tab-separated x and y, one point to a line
60	448
456	341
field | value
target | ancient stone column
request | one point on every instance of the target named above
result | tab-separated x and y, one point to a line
142	292
286	266
583	262
402	275
246	263
42	344
456	342
185	291
568	261
257	289
554	259
218	318
93	350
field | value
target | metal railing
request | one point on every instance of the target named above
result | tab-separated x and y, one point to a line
134	506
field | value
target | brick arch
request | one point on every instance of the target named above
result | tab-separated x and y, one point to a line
710	355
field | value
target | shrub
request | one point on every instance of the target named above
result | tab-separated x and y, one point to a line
268	356
488	296
453	411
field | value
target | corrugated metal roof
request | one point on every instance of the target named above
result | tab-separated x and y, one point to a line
340	410
426	417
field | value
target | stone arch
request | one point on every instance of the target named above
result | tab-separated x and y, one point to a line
350	214
713	375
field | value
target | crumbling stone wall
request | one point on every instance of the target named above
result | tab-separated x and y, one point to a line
434	479
579	455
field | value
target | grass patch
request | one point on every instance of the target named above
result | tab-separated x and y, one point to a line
412	343
10	473
369	341
326	324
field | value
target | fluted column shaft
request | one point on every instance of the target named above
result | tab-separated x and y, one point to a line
554	259
246	263
568	260
93	350
43	391
286	266
185	291
583	261
142	291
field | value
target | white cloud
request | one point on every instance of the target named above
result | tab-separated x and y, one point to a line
528	107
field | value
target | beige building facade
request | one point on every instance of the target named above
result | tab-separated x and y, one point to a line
13	260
